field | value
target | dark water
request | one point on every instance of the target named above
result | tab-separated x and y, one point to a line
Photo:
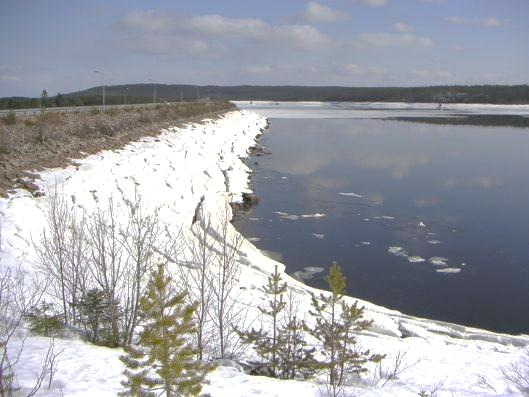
455	193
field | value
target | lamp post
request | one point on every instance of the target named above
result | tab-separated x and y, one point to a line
154	88
103	83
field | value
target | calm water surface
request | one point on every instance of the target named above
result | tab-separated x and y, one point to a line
431	220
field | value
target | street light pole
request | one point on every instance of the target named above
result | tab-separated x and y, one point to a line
103	80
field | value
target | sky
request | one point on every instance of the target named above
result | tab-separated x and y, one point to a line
58	44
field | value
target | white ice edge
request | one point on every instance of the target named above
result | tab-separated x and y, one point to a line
176	171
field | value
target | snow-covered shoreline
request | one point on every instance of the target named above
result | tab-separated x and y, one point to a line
202	163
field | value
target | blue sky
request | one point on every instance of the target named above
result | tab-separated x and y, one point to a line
56	45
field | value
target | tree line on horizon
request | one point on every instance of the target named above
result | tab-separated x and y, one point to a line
144	93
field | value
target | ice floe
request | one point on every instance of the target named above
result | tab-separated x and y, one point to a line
351	194
438	260
448	270
415	259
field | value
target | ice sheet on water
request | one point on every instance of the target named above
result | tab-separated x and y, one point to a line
308	272
449	270
293	217
438	260
351	194
320	236
396	250
416	259
316	215
434	242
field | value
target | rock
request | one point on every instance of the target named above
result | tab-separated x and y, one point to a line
249	199
30	186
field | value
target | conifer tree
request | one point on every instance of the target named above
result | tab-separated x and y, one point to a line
295	356
163	362
266	344
337	324
282	348
94	312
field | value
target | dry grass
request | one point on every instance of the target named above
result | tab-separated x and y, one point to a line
52	139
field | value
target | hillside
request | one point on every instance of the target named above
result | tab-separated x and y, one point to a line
142	93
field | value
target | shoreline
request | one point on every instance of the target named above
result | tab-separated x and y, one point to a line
179	168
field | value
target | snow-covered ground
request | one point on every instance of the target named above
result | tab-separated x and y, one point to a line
177	170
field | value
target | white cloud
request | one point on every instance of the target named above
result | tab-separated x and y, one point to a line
457	48
372	3
149	21
490	22
429	74
167	33
394	40
7	78
165	45
317	12
401	27
258	69
219	25
356	70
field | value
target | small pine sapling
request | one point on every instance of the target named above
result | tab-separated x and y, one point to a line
337	324
164	360
44	321
94	312
295	356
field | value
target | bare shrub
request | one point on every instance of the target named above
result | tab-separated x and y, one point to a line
17	297
517	374
61	253
139	239
223	283
197	280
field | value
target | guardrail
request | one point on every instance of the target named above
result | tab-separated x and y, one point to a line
72	109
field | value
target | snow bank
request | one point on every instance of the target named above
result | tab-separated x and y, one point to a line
201	163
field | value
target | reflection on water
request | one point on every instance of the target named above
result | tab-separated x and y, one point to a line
428	219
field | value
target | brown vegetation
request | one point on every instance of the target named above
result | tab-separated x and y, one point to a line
53	139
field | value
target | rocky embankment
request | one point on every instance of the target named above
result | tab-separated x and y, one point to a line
51	140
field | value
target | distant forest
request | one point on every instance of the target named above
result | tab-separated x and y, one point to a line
143	93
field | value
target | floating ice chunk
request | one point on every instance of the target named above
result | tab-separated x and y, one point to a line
290	217
254	239
395	250
365	242
448	270
366	219
438	260
316	215
388	217
255	219
320	236
283	177
415	259
284	215
351	194
308	272
434	242
421	224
